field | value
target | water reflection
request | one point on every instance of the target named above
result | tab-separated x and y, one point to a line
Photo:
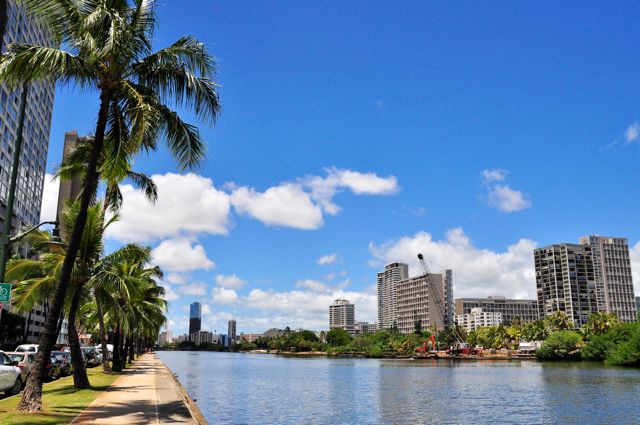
251	388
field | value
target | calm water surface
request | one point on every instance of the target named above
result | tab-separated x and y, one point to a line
235	388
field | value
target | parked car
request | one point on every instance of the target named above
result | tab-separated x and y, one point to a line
84	358
27	348
10	375
54	368
25	362
90	354
65	362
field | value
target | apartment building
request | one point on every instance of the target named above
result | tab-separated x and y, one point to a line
386	285
509	309
477	318
342	315
614	281
365	327
565	281
424	302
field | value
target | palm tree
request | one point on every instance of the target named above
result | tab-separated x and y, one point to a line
109	49
559	320
598	324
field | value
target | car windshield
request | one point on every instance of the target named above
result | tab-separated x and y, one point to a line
16	357
59	357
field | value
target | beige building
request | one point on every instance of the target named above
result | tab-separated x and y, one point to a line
342	315
424	301
365	327
509	309
614	281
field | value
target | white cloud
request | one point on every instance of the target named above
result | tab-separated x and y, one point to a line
196	288
476	272
495	175
328	259
221	295
169	294
323	189
176	278
633	132
301	204
231	281
307	309
285	205
501	196
506	199
181	255
187	205
49	206
312	285
206	309
635	267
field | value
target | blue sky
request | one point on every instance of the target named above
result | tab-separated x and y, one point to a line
367	132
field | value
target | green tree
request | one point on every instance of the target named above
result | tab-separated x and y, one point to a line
559	320
109	49
598	324
338	337
560	345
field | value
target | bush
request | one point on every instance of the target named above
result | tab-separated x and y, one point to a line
560	345
601	347
338	337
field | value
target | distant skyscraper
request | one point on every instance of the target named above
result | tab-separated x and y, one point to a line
386	282
37	123
342	315
614	282
231	330
195	317
565	281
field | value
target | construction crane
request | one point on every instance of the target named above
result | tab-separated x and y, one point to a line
435	292
439	302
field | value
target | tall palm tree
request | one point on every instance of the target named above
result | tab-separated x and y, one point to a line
108	46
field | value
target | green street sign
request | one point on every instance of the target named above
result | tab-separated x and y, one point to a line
5	292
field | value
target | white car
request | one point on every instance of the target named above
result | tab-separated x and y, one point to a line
10	376
27	348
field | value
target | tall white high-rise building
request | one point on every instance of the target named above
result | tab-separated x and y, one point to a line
387	302
612	270
342	315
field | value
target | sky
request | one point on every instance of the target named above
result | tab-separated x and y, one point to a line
360	133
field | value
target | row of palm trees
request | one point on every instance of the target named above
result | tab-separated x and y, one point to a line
106	46
118	291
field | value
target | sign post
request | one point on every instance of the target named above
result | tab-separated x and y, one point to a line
5	292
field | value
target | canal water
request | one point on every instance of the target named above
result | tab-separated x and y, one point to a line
236	388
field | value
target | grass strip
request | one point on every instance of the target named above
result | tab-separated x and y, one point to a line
61	403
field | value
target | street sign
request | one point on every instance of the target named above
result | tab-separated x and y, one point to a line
5	292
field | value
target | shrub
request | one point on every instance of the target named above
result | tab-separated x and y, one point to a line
560	345
600	347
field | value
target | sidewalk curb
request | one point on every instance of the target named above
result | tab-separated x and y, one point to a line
187	400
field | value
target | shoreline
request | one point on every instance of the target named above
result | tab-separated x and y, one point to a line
191	405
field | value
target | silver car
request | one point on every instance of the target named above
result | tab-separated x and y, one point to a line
10	376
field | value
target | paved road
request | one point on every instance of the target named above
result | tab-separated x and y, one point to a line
145	394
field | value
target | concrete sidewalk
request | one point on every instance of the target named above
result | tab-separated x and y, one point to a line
146	393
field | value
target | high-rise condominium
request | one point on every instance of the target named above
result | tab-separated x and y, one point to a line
386	282
231	330
195	317
37	123
612	269
509	309
565	281
342	315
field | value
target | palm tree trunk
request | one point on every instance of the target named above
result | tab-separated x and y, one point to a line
80	379
103	337
115	363
31	401
123	350
60	323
